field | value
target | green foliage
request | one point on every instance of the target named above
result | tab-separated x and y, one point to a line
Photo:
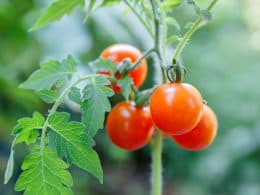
48	96
95	103
44	174
72	142
75	95
27	128
50	73
43	171
56	11
125	83
169	4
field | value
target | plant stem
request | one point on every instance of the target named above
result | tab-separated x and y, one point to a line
158	35
146	54
57	104
156	143
157	164
190	32
140	18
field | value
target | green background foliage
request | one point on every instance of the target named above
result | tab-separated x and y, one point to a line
222	60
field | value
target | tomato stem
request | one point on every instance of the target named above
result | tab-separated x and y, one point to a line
137	63
156	147
190	32
140	18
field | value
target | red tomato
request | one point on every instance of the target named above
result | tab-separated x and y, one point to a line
129	127
119	52
176	107
202	135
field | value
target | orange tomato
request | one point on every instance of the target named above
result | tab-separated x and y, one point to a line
202	135
176	107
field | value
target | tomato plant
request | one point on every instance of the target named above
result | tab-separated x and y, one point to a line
176	107
55	142
201	136
130	127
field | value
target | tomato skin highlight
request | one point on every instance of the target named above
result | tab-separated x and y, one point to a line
176	107
119	52
202	135
130	127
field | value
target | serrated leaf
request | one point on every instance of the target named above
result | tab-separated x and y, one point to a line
27	128
44	174
10	164
50	73
103	65
72	142
48	96
125	83
56	11
95	104
75	95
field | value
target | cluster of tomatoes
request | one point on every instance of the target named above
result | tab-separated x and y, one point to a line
176	109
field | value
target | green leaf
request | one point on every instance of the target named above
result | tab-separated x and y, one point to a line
27	128
95	104
109	2
10	165
173	38
168	4
75	95
102	65
44	174
56	11
72	142
49	74
125	83
48	96
173	22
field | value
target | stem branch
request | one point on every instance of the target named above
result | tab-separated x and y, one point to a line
140	18
146	54
190	32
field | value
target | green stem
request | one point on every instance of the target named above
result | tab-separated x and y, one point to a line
157	164
57	104
190	32
157	39
140	18
146	54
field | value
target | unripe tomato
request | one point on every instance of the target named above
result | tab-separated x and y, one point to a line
202	135
119	52
176	107
129	127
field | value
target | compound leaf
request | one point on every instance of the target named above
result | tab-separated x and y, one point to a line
72	142
44	174
95	103
50	73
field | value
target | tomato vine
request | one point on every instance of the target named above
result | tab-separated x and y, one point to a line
55	142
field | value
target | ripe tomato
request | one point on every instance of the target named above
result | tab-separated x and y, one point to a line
202	135
129	127
118	52
176	107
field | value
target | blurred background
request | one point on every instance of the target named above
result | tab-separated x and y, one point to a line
223	62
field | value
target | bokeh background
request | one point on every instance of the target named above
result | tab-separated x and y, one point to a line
223	61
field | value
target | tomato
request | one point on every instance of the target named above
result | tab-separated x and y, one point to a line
176	107
119	52
130	127
202	135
